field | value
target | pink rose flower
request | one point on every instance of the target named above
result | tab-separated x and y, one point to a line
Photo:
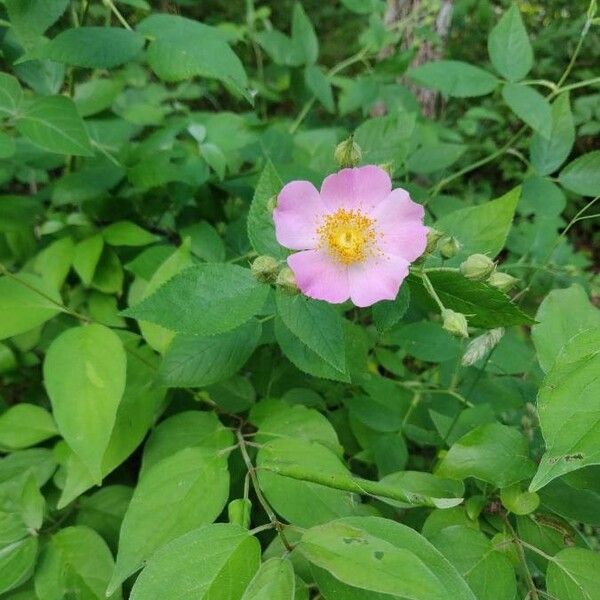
357	236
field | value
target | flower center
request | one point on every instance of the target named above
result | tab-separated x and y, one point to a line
348	235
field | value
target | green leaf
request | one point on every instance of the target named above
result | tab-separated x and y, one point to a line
275	580
488	572
206	243
454	78
76	561
17	561
84	373
386	139
103	511
434	157
582	176
94	47
7	145
197	361
380	555
519	502
301	502
547	154
494	453
54	262
316	324
362	7
318	83
11	95
87	256
280	48
26	301
530	106
571	429
509	47
126	233
25	425
18	213
182	48
261	229
216	561
203	300
53	124
136	413
30	18
425	340
573	574
562	314
158	337
303	357
94	96
485	306
188	489
388	313
90	182
188	429
481	228
304	37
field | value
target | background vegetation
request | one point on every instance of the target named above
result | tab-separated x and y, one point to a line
175	423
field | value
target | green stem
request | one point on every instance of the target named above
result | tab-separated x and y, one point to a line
521	553
431	291
117	13
259	496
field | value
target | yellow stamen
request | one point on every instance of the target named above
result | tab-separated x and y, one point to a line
348	235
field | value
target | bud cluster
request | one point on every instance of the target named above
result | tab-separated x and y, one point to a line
267	269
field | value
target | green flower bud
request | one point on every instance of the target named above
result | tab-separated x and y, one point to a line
448	246
477	267
265	268
347	153
455	323
286	281
238	512
388	167
433	237
503	281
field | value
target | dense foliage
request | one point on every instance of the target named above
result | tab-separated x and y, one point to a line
177	421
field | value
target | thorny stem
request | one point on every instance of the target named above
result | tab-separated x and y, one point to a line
259	496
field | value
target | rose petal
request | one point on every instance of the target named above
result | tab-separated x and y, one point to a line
298	215
319	276
376	279
399	221
362	187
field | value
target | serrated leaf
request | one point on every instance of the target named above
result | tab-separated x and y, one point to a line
198	361
388	313
261	229
316	324
203	300
484	305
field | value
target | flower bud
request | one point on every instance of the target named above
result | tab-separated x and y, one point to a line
477	267
388	167
265	268
238	512
448	246
347	153
286	281
455	323
503	281
433	237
